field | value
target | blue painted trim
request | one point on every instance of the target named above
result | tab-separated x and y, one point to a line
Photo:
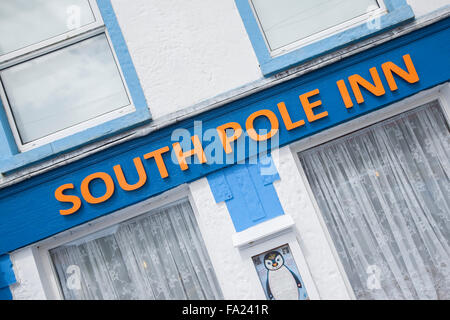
7	277
398	12
248	192
29	211
11	159
123	55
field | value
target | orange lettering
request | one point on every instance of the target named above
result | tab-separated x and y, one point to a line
411	76
287	118
87	193
274	125
344	94
181	156
226	140
309	106
123	182
157	155
356	80
60	196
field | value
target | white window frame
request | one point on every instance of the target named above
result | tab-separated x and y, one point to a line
47	273
56	39
439	93
51	45
322	34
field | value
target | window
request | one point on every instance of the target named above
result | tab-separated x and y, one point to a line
60	76
19	20
286	22
287	32
383	193
49	94
158	255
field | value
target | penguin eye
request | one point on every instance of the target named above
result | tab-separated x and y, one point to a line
269	263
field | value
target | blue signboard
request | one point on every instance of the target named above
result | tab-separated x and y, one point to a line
139	169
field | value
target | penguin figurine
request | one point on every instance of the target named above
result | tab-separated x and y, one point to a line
282	283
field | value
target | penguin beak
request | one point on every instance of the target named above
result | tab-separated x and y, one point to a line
274	264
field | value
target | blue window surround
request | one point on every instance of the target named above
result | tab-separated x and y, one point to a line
398	11
11	158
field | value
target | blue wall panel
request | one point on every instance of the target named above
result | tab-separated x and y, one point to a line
248	192
29	211
7	277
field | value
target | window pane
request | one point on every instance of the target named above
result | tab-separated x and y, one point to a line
287	21
384	195
157	256
64	88
26	22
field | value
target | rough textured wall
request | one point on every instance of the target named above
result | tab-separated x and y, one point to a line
186	51
311	233
217	230
422	7
28	285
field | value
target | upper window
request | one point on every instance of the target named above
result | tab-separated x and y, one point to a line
68	87
60	74
37	20
281	31
288	23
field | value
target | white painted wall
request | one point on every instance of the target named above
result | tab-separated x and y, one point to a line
234	274
422	7
186	52
312	236
28	285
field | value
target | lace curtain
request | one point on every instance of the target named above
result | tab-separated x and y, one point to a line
159	255
384	193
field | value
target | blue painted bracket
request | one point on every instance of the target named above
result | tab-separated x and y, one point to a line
248	192
7	277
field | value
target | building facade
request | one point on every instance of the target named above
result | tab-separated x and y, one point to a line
234	149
